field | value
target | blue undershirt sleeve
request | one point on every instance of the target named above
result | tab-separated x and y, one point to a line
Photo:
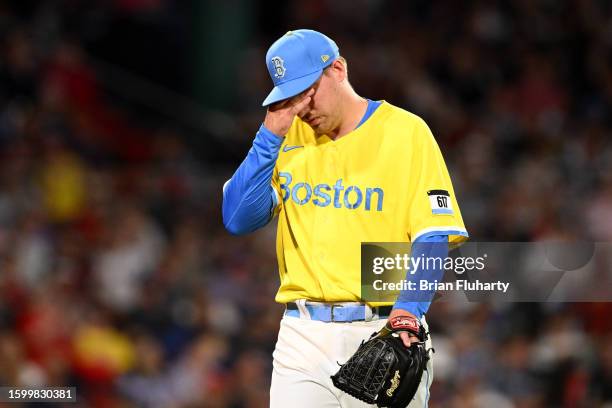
418	301
248	197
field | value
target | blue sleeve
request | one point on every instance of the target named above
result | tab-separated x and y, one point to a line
417	302
248	197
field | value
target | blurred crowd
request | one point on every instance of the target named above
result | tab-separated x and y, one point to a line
117	277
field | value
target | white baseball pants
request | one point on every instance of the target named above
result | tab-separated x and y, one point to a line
307	353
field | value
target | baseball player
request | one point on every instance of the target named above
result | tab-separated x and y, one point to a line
337	170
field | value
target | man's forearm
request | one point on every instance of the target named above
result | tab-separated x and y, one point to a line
418	301
248	197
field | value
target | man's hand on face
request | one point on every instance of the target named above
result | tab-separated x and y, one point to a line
279	116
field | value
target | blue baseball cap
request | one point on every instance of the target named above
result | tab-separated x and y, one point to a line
295	62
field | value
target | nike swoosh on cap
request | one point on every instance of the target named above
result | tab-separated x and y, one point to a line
289	148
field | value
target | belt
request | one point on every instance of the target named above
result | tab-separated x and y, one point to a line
336	312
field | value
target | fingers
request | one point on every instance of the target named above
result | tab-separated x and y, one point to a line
408	339
301	103
306	104
303	112
405	338
279	105
296	103
280	115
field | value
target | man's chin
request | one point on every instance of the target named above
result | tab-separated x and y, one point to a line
318	129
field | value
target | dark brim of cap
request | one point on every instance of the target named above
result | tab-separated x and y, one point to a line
291	88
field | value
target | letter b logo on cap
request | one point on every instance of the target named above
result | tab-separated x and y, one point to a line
279	67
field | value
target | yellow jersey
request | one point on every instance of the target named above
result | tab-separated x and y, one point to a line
386	181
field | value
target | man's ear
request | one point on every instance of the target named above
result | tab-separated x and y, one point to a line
339	69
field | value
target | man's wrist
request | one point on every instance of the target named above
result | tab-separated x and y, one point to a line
263	129
412	308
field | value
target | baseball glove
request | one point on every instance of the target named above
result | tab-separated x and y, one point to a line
383	371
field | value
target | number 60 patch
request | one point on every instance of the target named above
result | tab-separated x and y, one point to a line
440	202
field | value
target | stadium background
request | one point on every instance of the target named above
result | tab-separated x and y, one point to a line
120	120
